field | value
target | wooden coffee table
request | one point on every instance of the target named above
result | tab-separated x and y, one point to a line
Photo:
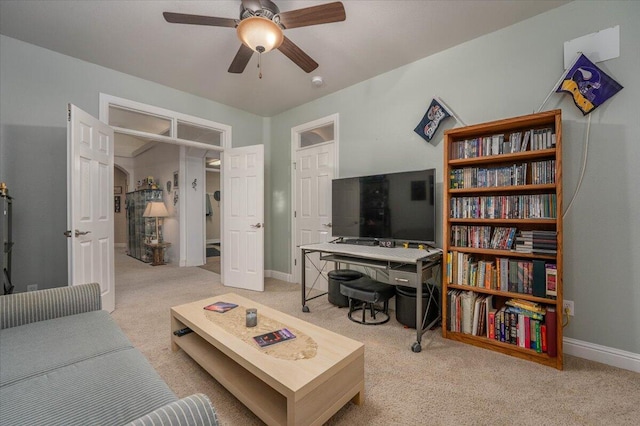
279	391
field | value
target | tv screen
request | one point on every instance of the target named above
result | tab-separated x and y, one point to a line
399	206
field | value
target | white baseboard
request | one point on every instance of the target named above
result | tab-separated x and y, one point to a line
214	241
604	354
278	275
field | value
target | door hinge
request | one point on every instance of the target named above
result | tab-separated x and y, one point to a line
68	113
295	214
295	262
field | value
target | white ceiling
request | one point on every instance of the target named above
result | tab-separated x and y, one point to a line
377	36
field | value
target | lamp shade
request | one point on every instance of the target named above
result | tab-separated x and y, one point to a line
260	34
155	209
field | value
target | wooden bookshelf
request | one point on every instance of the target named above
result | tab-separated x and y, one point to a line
477	202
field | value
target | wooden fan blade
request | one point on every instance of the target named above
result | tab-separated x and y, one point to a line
296	54
182	18
322	14
241	60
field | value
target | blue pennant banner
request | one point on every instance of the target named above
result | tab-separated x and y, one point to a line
431	120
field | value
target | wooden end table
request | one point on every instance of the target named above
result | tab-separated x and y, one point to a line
158	252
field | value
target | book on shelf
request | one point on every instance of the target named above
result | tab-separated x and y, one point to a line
220	307
551	323
273	337
551	275
531	140
526	305
504	274
467	300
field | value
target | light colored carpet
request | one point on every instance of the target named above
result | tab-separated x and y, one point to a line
212	265
447	383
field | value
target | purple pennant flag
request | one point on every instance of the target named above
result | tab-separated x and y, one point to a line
588	84
431	120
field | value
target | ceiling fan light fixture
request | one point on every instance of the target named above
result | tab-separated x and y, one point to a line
260	34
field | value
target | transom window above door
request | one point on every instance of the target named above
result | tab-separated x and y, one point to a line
140	121
198	133
146	124
325	133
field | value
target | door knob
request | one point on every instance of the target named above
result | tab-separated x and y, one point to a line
78	233
257	225
328	225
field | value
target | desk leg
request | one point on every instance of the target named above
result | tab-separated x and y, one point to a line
303	280
417	347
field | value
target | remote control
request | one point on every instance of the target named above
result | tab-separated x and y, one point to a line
182	331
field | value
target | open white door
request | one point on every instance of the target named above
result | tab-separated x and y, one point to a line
90	203
243	212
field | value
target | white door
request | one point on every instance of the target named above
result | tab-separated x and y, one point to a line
242	202
314	172
90	203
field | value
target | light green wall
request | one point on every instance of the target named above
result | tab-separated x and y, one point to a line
35	86
504	74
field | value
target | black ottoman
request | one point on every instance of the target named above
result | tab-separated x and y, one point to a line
363	295
335	278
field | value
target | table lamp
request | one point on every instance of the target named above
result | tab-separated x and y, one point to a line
156	209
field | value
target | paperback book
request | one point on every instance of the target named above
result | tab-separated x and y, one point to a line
220	307
274	337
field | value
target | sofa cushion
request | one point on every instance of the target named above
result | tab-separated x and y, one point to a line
193	410
109	389
42	346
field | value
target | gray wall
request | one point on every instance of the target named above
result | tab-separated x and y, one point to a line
35	86
504	74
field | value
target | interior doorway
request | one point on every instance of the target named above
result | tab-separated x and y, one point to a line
213	215
144	135
120	182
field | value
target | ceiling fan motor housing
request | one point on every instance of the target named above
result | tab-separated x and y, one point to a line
264	8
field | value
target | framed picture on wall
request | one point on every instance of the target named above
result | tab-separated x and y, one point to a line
175	179
116	203
117	190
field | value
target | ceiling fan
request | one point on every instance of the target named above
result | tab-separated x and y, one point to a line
260	29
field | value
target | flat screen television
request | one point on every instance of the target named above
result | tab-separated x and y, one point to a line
399	206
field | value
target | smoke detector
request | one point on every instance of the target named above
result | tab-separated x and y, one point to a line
317	81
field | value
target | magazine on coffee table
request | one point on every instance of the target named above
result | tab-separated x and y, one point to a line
220	307
274	337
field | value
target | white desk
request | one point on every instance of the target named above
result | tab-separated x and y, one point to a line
405	266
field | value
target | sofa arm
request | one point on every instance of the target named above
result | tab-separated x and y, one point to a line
194	410
24	308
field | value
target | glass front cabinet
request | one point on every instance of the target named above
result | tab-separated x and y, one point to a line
141	230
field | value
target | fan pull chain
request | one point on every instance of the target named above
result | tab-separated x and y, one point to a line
259	65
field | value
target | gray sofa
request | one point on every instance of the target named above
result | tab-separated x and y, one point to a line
64	361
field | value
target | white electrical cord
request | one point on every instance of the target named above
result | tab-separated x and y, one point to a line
586	142
584	167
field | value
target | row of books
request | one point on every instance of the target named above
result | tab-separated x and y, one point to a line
498	237
486	177
521	206
537	241
531	140
521	323
534	277
543	172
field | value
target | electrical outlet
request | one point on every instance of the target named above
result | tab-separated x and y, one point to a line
32	287
567	306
